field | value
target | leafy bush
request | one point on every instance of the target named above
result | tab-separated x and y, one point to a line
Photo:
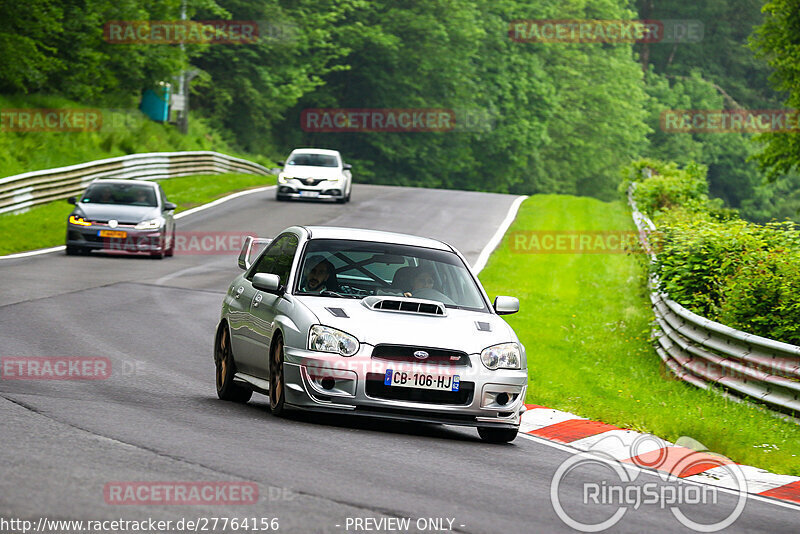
710	261
764	296
661	186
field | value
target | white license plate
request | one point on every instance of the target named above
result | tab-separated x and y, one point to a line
411	379
310	194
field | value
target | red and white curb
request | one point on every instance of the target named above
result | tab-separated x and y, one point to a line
653	453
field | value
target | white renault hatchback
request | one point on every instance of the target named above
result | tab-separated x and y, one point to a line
315	173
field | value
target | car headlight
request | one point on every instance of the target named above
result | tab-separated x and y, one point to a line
152	224
80	221
326	339
502	356
281	178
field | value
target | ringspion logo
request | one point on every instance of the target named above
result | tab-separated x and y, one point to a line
610	487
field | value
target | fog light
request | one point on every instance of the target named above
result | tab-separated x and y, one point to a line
502	399
328	383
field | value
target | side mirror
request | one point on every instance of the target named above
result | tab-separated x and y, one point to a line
266	282
347	166
251	247
169	206
72	200
506	305
281	164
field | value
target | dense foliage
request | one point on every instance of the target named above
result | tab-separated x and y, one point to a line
550	117
719	266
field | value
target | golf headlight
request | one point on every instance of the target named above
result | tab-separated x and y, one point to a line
326	339
152	224
80	221
502	356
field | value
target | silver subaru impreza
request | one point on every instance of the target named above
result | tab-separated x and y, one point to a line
370	323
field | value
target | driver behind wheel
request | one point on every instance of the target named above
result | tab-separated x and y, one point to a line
421	279
317	279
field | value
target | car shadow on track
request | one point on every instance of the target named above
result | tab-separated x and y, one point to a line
353	422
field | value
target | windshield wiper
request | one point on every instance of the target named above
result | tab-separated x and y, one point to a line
329	293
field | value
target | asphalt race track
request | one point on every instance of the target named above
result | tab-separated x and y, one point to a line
157	418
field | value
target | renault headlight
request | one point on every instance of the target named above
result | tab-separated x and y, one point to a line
326	339
281	178
152	224
502	356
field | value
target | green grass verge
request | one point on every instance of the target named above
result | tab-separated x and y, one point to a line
585	321
120	132
45	226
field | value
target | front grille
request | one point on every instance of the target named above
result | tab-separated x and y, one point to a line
405	353
377	389
119	224
310	181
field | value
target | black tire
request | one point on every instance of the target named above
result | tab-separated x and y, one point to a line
277	390
171	250
280	198
227	389
497	435
72	250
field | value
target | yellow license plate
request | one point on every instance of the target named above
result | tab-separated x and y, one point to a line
112	233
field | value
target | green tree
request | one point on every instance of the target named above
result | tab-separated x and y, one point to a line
778	42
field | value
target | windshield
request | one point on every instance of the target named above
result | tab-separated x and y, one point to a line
132	194
356	269
314	160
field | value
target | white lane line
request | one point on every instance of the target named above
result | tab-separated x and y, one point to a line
178	216
224	199
32	253
480	263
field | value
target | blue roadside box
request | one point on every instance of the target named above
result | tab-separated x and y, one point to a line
155	103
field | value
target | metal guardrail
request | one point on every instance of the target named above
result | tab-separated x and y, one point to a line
706	353
22	191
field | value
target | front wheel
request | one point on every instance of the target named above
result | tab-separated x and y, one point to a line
223	358
171	250
497	435
277	397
